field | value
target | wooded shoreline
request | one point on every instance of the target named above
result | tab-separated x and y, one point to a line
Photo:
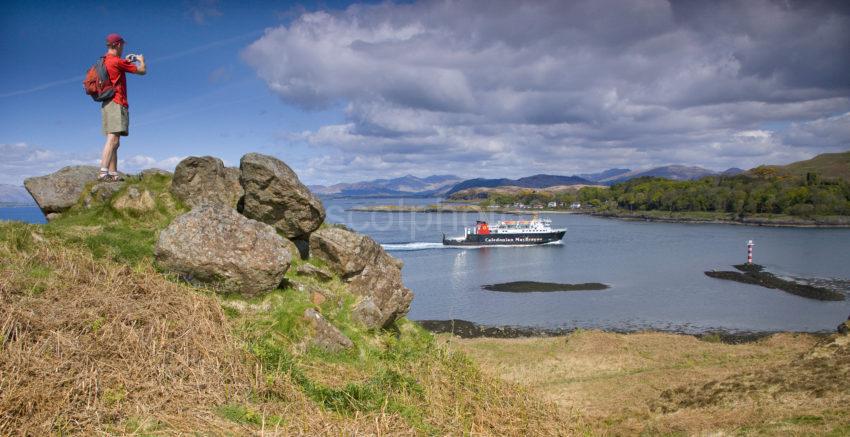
654	216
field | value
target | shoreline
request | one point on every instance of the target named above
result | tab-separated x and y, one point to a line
746	221
468	330
454	209
755	274
754	221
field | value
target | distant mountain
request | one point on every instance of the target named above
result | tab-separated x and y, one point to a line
826	165
607	174
15	195
404	186
536	181
674	172
830	165
479	193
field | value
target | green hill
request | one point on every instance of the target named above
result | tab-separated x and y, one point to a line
829	165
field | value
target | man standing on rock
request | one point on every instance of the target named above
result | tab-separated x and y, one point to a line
115	113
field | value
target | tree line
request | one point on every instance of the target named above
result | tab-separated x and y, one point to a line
761	192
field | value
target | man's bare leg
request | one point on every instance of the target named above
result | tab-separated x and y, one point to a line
109	151
113	163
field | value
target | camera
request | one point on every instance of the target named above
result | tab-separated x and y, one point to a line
132	57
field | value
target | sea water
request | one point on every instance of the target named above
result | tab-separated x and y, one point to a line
655	271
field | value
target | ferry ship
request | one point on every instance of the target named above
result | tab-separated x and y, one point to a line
508	232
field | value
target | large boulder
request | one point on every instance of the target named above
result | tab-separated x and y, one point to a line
215	245
275	195
205	180
58	191
346	252
369	272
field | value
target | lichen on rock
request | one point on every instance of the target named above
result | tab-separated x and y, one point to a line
205	180
274	195
368	271
324	335
215	245
60	190
135	200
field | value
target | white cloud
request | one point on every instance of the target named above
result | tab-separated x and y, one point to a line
22	160
828	133
137	163
515	88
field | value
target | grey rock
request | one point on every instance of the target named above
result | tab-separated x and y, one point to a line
367	313
101	192
52	216
311	270
367	269
326	336
231	182
153	172
60	190
382	282
275	195
346	252
134	199
215	245
204	180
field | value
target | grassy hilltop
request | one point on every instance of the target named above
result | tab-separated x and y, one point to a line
96	340
828	165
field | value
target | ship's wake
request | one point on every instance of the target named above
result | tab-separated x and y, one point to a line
413	246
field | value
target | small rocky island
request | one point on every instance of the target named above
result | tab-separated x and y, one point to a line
532	286
756	275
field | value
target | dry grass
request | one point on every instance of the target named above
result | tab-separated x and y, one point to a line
90	346
665	383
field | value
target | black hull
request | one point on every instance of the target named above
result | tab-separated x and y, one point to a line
505	239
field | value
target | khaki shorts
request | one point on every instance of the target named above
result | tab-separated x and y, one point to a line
116	119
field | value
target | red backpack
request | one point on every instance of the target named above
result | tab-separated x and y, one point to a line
97	83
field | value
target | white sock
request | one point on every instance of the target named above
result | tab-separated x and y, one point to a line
104	170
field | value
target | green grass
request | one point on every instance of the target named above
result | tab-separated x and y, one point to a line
139	427
18	235
245	415
381	358
125	236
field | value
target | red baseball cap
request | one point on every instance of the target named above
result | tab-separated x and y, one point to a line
114	38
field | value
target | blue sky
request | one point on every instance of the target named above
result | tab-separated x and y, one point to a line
199	97
350	91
